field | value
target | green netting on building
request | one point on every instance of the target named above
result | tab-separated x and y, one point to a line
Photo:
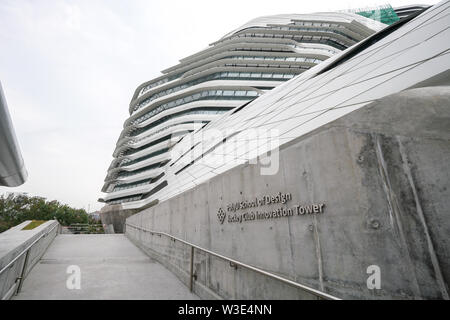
384	14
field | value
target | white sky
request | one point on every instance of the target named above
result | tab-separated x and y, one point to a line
69	69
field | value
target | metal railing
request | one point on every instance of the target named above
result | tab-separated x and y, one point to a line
85	228
26	251
235	263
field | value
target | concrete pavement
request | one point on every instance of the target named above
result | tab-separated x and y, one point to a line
111	268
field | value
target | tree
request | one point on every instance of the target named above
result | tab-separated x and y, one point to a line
16	208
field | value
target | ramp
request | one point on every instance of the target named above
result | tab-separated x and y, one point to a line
111	267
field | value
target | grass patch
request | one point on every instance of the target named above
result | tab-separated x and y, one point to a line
33	224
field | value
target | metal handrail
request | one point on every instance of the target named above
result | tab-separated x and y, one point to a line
84	228
27	252
313	291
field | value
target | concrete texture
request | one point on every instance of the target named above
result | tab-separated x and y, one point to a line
12	243
111	268
113	218
383	173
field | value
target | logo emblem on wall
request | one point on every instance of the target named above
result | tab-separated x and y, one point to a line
221	215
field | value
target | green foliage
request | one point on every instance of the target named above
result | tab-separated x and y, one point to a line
33	224
16	208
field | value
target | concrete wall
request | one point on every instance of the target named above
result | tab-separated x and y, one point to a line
383	173
12	243
113	218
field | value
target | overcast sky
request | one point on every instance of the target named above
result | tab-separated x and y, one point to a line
69	69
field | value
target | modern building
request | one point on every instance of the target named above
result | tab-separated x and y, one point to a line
388	15
346	191
405	11
210	85
384	13
12	167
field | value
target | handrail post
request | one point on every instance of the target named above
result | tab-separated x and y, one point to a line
22	275
235	264
191	273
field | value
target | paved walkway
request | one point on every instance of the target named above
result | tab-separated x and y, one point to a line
111	268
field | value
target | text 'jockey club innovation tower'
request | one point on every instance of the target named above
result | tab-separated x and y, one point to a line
311	145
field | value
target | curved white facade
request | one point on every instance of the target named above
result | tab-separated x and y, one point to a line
413	55
12	167
206	86
405	11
